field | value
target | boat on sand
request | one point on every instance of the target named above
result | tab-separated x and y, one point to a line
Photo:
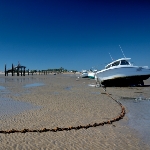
122	72
84	74
91	74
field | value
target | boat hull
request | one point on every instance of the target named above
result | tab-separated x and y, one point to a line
123	75
84	75
91	75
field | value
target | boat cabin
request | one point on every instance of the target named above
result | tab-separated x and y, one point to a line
122	61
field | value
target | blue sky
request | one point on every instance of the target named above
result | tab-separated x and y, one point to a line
73	34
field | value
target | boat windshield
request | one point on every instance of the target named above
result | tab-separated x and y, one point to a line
108	66
124	62
116	63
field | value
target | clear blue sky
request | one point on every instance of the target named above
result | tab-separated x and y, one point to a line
73	34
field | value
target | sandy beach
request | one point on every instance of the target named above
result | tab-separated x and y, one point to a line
62	100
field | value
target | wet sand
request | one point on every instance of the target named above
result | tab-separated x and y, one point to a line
52	101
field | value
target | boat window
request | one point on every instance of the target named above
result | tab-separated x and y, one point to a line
124	62
116	63
108	66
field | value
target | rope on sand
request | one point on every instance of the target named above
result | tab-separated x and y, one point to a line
121	115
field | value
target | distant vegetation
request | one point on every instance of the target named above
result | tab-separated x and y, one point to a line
61	69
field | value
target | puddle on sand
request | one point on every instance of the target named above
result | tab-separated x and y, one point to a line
68	88
2	88
9	107
97	93
34	85
17	79
56	93
139	116
2	80
92	85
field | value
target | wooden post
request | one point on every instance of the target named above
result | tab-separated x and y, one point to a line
5	70
24	71
12	70
17	70
28	71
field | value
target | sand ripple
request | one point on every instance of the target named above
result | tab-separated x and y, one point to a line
64	102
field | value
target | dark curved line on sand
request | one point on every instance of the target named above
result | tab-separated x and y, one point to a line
122	114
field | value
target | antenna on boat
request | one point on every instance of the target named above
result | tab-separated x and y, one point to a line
122	51
111	57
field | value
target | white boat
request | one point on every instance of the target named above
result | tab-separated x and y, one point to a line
122	72
84	74
91	74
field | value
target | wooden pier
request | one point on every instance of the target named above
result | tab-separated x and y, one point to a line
20	70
